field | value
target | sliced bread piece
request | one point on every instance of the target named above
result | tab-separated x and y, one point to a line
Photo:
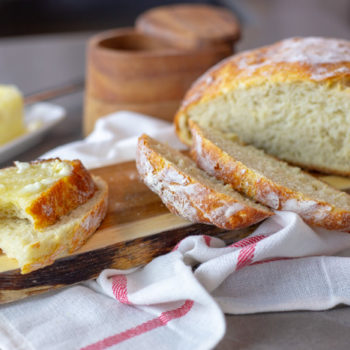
270	181
190	192
34	249
43	191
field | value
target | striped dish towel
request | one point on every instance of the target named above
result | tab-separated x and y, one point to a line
178	300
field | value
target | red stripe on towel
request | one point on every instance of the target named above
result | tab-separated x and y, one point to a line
120	289
207	240
247	241
246	254
145	327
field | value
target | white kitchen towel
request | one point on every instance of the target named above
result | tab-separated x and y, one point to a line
114	139
178	300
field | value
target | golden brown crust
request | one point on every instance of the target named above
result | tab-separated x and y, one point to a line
63	196
318	60
218	163
78	234
186	196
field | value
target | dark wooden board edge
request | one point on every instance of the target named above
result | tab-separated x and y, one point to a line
88	265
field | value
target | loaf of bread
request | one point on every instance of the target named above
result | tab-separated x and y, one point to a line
43	191
291	99
48	209
190	192
270	181
11	113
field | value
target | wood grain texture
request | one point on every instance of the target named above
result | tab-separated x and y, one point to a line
128	70
190	26
137	228
148	69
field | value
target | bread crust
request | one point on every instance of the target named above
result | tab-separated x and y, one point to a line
218	163
63	196
269	64
186	196
78	234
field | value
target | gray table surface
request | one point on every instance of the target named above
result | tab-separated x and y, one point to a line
36	63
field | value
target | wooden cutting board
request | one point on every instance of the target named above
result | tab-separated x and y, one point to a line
137	228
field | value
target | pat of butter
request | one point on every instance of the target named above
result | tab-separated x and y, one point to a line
32	188
21	166
11	113
65	171
54	170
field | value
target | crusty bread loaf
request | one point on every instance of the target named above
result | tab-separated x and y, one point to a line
43	191
34	249
270	181
291	99
190	192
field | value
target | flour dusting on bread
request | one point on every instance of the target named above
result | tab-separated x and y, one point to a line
291	99
314	52
191	193
270	181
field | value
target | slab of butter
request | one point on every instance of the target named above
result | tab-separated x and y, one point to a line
11	113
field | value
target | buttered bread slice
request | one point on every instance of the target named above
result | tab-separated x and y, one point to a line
34	249
43	191
190	192
270	181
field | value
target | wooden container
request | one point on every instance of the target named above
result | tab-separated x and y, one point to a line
128	69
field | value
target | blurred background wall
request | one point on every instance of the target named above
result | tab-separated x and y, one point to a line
263	21
21	17
24	25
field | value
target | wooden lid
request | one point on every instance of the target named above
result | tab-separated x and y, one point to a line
190	26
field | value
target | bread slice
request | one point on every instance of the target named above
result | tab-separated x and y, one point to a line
270	181
43	191
34	249
291	99
191	193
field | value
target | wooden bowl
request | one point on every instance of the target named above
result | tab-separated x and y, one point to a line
128	70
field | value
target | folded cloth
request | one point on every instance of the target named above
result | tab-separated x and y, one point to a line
178	300
114	139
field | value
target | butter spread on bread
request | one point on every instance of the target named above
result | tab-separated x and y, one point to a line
291	99
43	191
270	181
190	192
48	209
11	113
